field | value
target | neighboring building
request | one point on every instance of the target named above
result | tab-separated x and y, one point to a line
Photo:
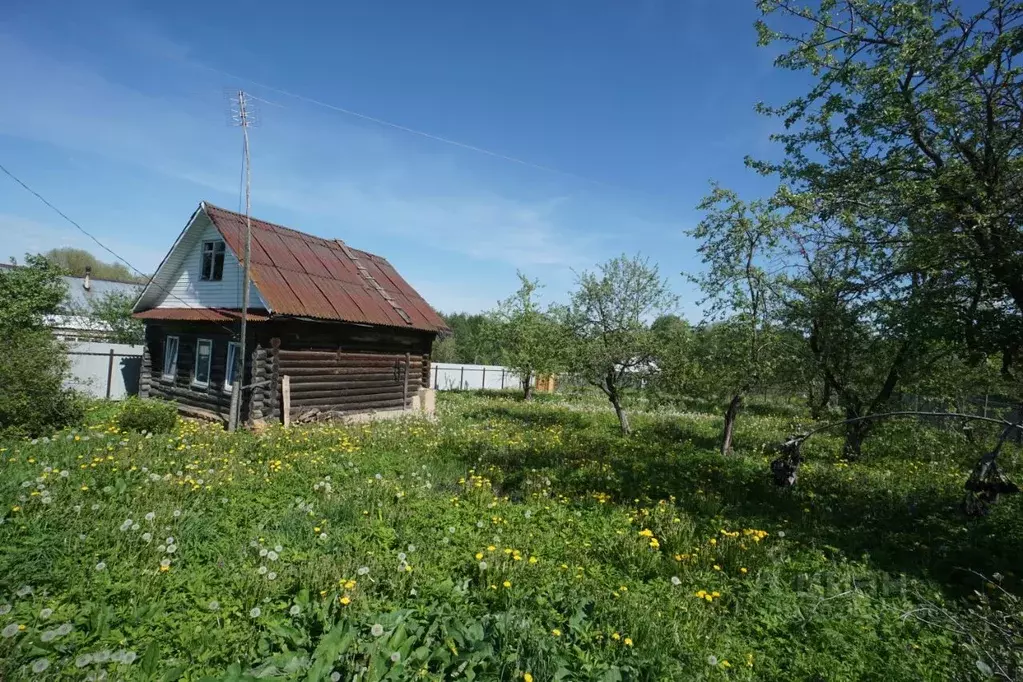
73	324
350	333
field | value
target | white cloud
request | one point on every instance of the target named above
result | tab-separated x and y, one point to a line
23	236
305	161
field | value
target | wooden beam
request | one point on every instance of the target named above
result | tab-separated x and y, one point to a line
286	394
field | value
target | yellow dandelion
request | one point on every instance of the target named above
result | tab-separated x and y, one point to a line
507	583
556	632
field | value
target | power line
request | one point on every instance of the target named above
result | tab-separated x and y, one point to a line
152	280
404	128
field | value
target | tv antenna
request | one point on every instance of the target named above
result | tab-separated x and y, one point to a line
242	116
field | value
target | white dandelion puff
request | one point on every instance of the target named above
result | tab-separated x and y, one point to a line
272	556
64	629
295	610
712	660
48	635
45	613
5	609
263	552
165	563
376	630
24	591
83	660
177	512
40	664
101	566
262	570
271	576
363	570
395	657
129	657
254	613
335	676
214	605
171	549
10	631
150	516
483	565
675	580
147	537
278	549
169	541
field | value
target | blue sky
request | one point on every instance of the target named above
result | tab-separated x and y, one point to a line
117	113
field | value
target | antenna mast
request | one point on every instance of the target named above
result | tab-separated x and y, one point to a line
236	397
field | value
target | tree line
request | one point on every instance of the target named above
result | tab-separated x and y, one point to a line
889	258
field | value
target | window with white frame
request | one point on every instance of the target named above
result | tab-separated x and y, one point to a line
170	358
212	260
234	361
203	357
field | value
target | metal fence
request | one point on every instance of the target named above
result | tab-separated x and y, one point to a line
449	376
105	370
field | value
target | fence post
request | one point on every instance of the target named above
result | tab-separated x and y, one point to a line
985	404
461	379
483	383
110	372
502	378
286	398
436	377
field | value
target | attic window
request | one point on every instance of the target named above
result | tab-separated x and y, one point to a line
212	261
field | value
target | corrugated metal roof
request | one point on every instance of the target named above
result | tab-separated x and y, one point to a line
197	315
305	276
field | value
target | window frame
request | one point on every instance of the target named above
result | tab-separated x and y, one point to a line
232	347
195	364
164	375
205	276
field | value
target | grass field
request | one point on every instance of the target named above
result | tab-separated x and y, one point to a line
502	541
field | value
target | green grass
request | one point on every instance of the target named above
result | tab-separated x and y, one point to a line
603	557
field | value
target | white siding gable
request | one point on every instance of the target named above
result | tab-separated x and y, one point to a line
183	287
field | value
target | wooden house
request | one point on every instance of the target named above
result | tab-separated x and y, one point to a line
351	335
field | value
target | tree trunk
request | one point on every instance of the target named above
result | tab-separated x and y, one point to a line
855	434
623	419
527	386
819	403
730	414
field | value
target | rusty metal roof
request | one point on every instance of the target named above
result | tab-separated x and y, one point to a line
300	275
198	315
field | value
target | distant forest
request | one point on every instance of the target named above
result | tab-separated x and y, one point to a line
75	261
468	343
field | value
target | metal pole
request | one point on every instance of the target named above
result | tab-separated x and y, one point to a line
436	377
483	383
110	372
248	251
461	379
502	378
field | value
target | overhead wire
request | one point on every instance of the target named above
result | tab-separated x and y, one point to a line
51	206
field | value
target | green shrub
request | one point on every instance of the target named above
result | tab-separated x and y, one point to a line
154	416
33	398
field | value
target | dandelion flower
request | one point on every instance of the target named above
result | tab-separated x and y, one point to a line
335	677
129	657
395	657
627	641
272	556
177	513
556	632
376	630
712	660
45	613
278	549
527	677
150	516
781	533
40	664
165	565
24	591
675	580
363	570
48	635
10	631
402	556
271	576
411	548
101	566
507	583
64	629
323	536
134	526
147	537
171	549
214	605
483	565
345	600
5	609
255	612
263	552
295	610
169	541
262	570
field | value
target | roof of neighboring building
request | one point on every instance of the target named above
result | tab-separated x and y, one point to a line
78	296
300	275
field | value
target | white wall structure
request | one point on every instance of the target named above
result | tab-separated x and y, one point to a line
92	365
178	285
449	376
